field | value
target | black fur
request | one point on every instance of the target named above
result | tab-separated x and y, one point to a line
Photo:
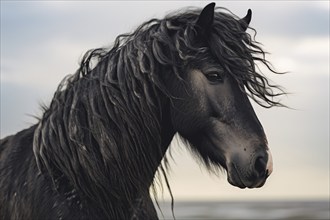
97	147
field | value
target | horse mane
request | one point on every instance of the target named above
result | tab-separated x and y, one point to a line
111	107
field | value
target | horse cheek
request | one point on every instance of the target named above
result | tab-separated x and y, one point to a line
190	111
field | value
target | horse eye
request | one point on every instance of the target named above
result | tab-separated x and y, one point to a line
214	77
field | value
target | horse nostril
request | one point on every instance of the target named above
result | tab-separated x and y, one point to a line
260	166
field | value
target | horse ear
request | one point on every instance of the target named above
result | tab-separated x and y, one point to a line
205	19
244	22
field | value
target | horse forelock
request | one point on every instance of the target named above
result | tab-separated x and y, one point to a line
241	55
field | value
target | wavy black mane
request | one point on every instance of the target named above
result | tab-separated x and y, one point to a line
112	106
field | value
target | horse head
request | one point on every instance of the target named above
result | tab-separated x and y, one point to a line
212	111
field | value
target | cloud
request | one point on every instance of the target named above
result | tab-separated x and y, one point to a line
43	65
294	19
304	55
19	105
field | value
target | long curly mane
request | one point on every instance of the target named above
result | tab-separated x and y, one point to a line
111	107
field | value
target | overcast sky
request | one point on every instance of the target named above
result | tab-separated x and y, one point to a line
41	42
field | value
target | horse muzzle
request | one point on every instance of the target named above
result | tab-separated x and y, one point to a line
251	174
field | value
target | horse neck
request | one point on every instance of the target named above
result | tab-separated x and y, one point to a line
166	134
142	166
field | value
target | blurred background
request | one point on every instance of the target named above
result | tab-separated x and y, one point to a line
43	41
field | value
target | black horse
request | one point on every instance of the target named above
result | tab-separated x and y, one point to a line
96	149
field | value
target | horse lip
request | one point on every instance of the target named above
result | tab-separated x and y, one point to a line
261	182
236	180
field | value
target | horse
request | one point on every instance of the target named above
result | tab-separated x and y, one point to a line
95	151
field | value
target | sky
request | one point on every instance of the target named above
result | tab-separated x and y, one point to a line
42	42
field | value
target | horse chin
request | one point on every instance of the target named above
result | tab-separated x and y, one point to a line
235	180
238	179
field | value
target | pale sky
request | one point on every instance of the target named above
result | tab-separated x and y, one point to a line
41	42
